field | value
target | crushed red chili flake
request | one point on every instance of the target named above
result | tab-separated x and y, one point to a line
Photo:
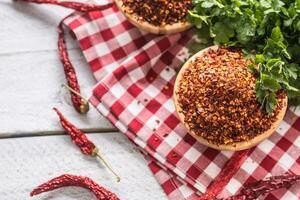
159	12
217	97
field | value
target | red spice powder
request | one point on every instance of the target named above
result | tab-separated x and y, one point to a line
159	12
217	97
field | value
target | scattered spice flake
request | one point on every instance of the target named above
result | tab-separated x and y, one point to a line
218	100
145	100
181	53
157	121
167	69
165	135
159	12
154	129
174	155
138	102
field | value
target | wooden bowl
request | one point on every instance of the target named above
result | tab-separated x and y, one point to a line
146	26
234	146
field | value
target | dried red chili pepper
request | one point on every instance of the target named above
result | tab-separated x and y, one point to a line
86	146
79	103
82	7
254	190
225	175
71	180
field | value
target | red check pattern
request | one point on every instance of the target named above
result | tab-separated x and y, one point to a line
136	73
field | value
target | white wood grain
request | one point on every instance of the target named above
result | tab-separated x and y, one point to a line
30	85
28	162
31	73
27	27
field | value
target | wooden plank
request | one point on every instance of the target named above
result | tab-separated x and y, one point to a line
31	86
27	27
31	73
28	162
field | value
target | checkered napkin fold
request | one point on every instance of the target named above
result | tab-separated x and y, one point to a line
135	72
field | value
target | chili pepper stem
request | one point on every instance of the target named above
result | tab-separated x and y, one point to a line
85	106
75	92
97	153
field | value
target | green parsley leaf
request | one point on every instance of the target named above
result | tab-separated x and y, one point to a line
270	28
269	83
271	102
222	32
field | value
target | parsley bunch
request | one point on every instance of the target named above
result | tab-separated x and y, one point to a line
267	30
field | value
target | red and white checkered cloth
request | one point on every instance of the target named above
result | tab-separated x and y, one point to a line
136	73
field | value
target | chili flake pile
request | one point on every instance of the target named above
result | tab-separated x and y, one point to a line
218	100
159	12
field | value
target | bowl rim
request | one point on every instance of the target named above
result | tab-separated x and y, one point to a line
146	26
230	147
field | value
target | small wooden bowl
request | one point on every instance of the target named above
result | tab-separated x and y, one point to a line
146	26
231	147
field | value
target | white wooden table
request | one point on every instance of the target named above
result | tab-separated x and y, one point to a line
33	146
